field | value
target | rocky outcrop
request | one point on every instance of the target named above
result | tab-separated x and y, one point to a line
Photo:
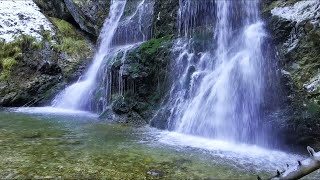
295	29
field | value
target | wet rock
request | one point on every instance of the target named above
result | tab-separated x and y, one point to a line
7	98
124	69
50	68
121	106
165	17
281	28
131	117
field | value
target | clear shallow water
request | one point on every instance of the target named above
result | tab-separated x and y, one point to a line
47	145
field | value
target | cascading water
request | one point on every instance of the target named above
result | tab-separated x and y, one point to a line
221	72
78	94
118	35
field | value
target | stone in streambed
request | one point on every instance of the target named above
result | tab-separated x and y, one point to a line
155	173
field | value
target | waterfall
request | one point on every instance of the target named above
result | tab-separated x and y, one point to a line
221	72
120	32
77	95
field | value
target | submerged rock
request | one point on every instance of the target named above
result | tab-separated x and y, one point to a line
155	173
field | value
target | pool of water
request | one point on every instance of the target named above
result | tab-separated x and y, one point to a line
38	143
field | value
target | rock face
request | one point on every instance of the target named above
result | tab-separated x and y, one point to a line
88	15
295	29
54	8
40	60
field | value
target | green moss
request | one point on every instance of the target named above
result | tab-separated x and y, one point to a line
152	46
8	63
11	53
65	29
70	40
72	46
7	67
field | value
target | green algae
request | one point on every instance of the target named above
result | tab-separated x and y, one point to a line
42	147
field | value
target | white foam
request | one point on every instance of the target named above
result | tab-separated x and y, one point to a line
242	154
300	11
21	16
52	111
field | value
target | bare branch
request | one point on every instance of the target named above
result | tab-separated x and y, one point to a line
302	168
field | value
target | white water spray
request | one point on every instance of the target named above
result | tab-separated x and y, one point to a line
220	88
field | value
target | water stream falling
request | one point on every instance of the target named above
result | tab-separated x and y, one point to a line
120	33
221	72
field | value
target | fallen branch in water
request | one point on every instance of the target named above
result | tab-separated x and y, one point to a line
302	168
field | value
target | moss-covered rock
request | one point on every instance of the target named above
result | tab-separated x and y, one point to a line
145	77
